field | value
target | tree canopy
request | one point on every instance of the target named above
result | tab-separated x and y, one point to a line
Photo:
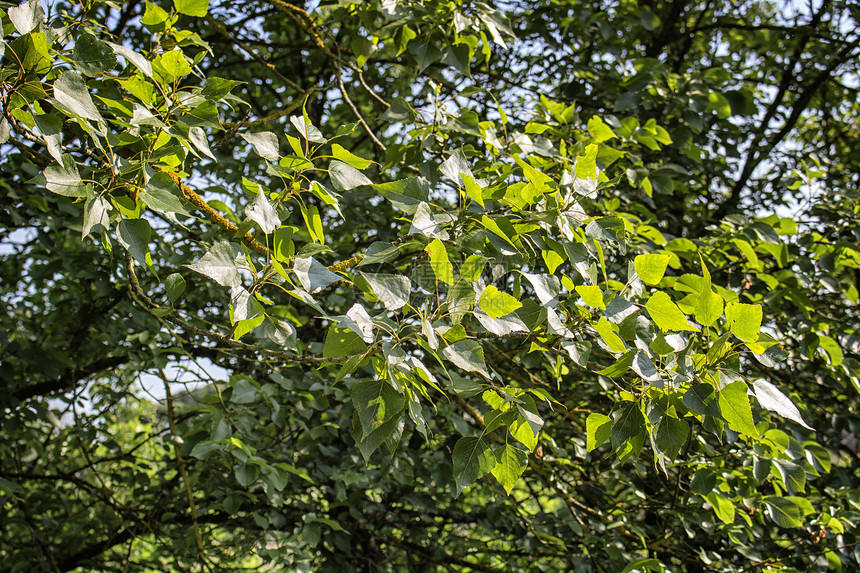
403	285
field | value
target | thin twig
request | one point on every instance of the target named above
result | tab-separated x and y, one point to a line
180	463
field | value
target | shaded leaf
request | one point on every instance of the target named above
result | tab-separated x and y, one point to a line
262	213
26	16
313	275
306	129
133	234
95	213
783	512
71	91
547	287
265	144
392	290
64	179
345	177
472	460
629	425
772	399
468	355
92	56
218	264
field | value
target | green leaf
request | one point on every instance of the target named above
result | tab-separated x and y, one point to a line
442	267
607	333
472	460
703	482
473	190
92	56
744	320
651	268
509	466
497	304
345	177
772	399
392	290
376	401
598	430
246	474
313	223
174	64
174	285
245	391
644	564
620	366
527	419
833	350
472	267
586	165
468	355
71	91
203	450
735	408
524	433
592	296
387	430
197	8
600	132
425	54
154	17
347	157
723	507
342	342
709	307
494	228
666	314
405	194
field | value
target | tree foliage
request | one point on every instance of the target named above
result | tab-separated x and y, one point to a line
399	285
